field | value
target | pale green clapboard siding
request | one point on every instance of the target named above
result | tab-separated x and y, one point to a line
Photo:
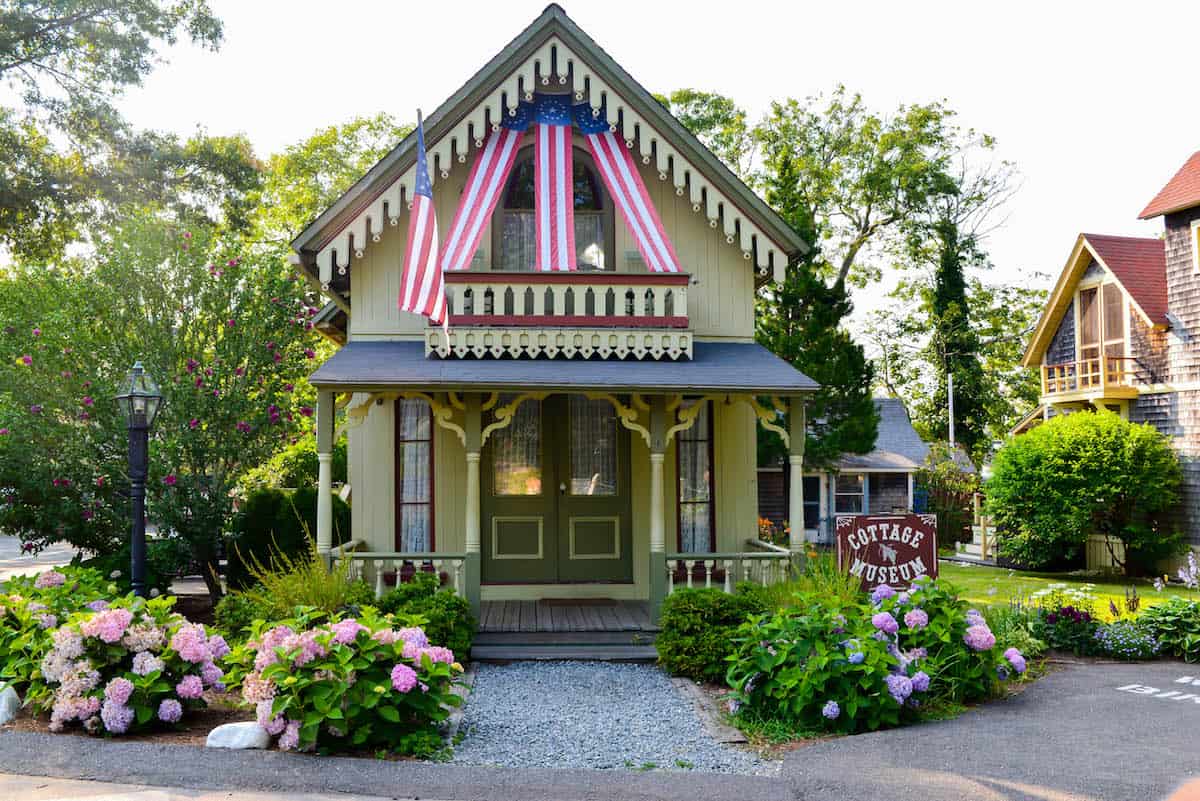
736	474
373	477
720	305
449	492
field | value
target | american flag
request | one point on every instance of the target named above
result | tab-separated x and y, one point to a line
422	290
553	171
628	192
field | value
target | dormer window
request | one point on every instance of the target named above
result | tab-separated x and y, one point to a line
514	226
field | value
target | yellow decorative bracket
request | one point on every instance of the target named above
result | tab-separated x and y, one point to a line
686	415
626	414
443	414
504	414
768	417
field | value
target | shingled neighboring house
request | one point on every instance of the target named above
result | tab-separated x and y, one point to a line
1121	331
880	482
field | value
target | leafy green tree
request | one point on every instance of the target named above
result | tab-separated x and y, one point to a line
71	161
1081	474
306	178
228	337
719	122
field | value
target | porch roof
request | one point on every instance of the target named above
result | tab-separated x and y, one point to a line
715	367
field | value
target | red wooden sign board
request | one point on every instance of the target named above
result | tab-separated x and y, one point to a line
888	549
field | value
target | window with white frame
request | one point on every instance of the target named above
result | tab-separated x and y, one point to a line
849	494
1195	242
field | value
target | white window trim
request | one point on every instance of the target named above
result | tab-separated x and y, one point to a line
862	496
1195	243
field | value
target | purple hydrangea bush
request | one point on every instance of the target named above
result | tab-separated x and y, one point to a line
129	666
827	664
32	607
346	684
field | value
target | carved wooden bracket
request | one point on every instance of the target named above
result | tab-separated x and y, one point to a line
626	414
443	413
504	414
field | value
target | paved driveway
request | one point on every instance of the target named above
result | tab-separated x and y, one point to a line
1085	733
15	563
1089	731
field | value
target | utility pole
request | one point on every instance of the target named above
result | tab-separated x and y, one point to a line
950	395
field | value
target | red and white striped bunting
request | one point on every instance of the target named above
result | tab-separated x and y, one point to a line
484	186
553	180
628	192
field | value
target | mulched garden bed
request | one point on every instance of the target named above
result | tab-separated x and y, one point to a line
192	730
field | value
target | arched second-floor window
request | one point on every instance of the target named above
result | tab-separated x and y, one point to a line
514	226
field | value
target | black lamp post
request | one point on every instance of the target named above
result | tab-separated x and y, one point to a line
139	404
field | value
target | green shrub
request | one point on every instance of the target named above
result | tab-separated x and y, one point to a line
295	466
320	682
1068	628
277	521
166	558
31	607
132	666
447	617
1082	474
951	491
297	581
697	629
1013	626
1125	639
951	638
236	612
1175	624
823	664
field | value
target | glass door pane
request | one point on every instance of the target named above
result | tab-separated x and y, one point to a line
517	452
593	447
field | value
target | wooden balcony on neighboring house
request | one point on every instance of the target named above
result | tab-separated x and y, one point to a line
576	314
1100	378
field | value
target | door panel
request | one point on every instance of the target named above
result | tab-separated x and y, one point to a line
595	535
518	525
556	497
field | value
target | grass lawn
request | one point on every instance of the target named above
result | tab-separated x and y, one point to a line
993	585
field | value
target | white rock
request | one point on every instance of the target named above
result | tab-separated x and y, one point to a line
239	735
10	702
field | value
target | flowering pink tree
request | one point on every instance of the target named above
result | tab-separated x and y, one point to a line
226	332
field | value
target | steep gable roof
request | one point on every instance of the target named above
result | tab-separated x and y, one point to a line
553	45
898	446
1139	266
1181	192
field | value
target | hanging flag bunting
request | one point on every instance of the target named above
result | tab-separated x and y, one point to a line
422	290
553	177
625	186
485	184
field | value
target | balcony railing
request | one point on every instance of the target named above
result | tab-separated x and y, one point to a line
564	314
1095	376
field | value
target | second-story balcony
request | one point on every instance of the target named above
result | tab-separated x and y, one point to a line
571	315
1098	378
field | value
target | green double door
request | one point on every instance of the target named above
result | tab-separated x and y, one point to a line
555	495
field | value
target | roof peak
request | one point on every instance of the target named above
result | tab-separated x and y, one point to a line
1180	193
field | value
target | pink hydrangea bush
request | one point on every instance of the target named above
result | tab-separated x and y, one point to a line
346	684
32	607
127	667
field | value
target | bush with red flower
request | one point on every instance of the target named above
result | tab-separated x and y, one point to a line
231	403
374	681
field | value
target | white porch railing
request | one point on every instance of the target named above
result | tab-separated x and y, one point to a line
374	565
763	564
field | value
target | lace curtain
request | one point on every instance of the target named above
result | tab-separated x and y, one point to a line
695	486
413	479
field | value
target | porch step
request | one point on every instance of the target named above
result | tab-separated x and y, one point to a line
604	646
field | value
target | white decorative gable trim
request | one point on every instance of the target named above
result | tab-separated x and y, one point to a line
552	63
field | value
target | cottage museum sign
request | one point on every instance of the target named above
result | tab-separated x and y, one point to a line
888	549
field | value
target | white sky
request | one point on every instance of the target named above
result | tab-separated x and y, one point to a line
1095	102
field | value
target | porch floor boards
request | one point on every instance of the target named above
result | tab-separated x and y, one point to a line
536	616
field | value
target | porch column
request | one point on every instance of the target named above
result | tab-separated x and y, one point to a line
324	472
658	543
473	443
796	431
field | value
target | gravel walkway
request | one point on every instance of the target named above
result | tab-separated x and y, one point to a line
588	715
